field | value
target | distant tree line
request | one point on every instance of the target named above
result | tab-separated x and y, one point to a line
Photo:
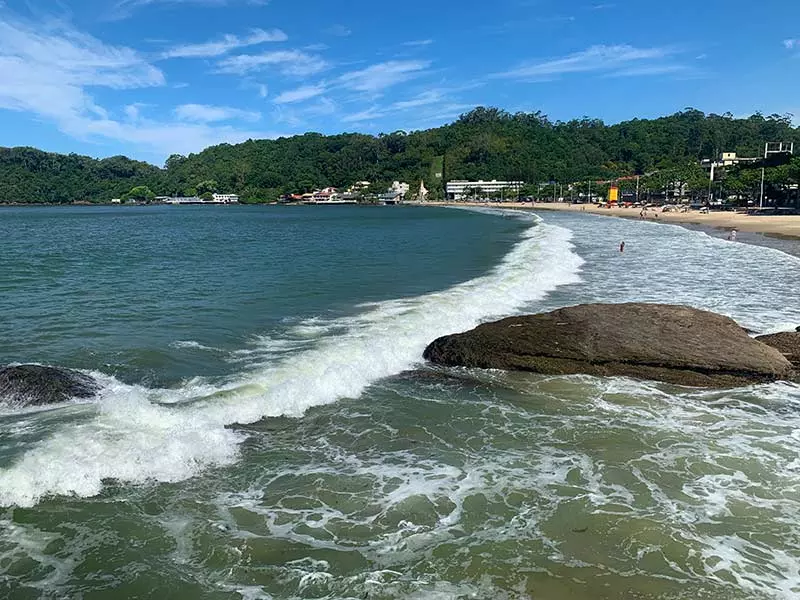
486	143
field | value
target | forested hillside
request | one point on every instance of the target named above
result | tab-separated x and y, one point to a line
485	143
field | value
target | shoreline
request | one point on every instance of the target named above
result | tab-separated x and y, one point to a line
778	232
787	226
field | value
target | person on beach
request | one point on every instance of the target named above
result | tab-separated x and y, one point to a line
622	247
732	236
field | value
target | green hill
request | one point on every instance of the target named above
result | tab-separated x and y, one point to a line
484	143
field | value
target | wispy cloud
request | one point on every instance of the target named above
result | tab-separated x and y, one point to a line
383	75
647	70
339	30
288	62
225	44
299	116
124	8
203	113
791	44
418	43
601	59
423	99
300	94
48	70
364	115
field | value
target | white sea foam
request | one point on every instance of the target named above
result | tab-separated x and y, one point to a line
193	345
134	439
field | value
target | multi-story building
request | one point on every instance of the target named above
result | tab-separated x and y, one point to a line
461	190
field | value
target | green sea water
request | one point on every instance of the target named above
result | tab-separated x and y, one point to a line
267	427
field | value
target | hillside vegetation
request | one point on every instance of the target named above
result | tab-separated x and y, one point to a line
486	143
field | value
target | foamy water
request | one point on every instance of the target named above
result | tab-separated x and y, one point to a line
375	476
135	438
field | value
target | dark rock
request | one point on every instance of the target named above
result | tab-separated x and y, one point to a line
787	343
34	385
675	344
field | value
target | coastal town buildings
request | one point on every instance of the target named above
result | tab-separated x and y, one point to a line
226	198
215	199
461	190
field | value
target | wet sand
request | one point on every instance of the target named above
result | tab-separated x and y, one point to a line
779	232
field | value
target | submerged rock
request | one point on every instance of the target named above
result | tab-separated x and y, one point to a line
787	343
674	344
35	385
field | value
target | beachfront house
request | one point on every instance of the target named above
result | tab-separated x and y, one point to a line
328	194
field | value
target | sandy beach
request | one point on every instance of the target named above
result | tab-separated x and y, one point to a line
783	226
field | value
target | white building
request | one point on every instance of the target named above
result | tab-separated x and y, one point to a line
461	190
400	188
116	201
226	198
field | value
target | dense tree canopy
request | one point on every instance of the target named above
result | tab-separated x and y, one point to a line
486	143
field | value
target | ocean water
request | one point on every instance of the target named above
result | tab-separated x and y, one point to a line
268	429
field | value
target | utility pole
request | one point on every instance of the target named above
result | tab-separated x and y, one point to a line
711	183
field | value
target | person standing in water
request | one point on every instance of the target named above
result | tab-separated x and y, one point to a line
622	246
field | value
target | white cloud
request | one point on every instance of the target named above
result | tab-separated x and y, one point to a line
226	44
305	92
48	69
791	44
593	59
203	113
383	75
424	99
418	43
289	62
160	139
133	111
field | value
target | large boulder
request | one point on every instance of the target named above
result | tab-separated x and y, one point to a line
35	385
674	344
787	343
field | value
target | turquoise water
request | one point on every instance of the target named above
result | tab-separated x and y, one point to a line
137	289
267	428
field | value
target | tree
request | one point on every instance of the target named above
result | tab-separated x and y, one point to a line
141	193
207	187
484	144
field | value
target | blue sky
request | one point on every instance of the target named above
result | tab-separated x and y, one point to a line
148	78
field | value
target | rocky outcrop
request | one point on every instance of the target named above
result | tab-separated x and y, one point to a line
787	344
674	344
35	385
